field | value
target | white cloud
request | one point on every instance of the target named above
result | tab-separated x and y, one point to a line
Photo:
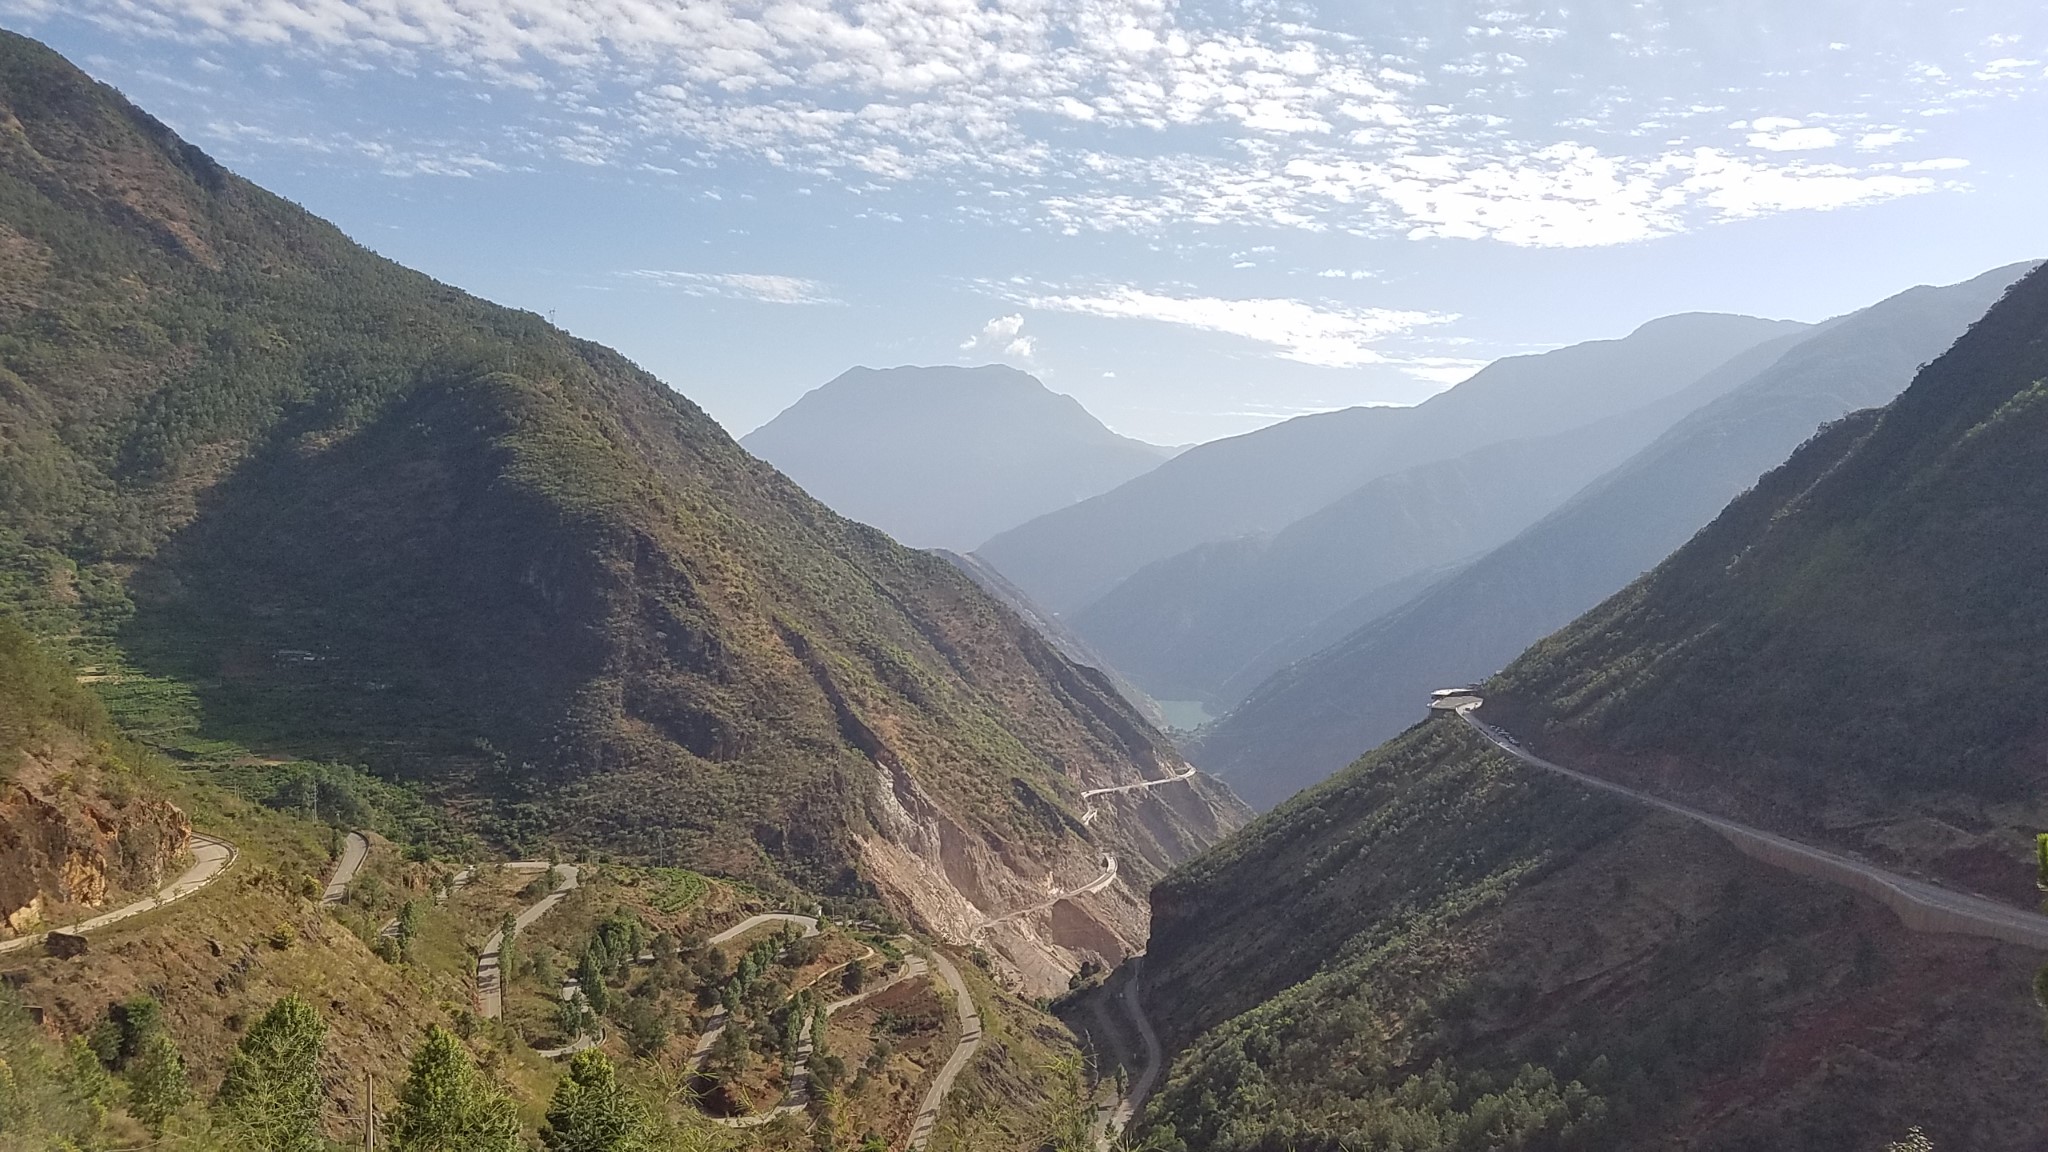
757	287
1002	338
1326	336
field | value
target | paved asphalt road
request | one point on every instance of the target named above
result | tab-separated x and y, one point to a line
354	851
810	924
970	1039
210	858
489	994
1919	904
1088	817
1107	878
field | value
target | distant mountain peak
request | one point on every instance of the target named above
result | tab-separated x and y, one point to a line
947	455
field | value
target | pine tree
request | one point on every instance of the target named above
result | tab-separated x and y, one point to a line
272	1089
408	928
157	1086
508	953
590	979
591	1112
448	1106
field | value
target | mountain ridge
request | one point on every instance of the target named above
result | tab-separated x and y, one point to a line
1444	945
1263	480
1189	630
1291	729
346	511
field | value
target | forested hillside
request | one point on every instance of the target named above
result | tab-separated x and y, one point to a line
1440	948
351	512
1311	719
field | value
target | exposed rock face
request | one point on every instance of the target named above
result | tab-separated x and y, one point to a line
72	837
1039	917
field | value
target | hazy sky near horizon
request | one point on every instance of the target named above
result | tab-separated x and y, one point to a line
1195	217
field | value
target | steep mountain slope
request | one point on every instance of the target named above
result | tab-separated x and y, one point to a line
1312	718
79	825
1442	948
1055	631
946	457
1189	626
1264	480
361	514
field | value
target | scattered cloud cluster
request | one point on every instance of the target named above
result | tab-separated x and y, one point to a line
1560	196
1164	120
1144	115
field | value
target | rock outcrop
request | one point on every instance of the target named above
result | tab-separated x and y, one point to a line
74	836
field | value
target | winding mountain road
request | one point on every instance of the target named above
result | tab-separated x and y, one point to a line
1088	817
810	925
970	1040
716	1025
798	1096
490	992
354	851
211	857
1107	878
1921	906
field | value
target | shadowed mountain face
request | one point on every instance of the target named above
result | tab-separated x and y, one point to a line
362	515
1265	480
1213	622
946	457
1310	719
1442	948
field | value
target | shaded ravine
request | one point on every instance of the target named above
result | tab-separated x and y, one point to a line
211	857
1142	1084
1919	905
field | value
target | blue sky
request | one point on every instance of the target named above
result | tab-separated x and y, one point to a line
1195	217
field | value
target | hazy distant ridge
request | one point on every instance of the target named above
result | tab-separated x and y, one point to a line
1265	480
1315	717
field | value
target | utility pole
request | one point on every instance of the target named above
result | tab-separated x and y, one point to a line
369	1112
